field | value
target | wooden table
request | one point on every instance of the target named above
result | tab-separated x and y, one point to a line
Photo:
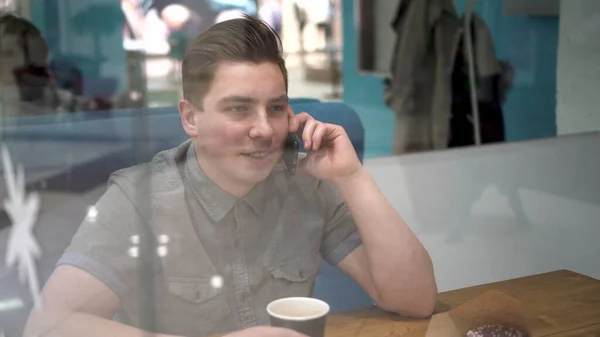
558	304
561	303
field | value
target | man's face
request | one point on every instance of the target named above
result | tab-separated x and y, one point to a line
242	129
12	56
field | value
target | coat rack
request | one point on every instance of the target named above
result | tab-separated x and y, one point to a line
472	76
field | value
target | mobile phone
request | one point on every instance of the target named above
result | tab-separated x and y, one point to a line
290	153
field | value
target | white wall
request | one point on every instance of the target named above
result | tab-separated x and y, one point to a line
498	212
578	74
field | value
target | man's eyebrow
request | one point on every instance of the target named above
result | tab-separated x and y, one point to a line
237	99
282	98
246	99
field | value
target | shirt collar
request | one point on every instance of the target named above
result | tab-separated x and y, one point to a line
215	201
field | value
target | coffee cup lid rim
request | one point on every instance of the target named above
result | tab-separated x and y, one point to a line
293	318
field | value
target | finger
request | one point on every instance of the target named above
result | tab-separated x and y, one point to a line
307	133
305	163
302	118
317	138
292	120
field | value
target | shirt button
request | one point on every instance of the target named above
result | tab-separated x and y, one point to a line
198	296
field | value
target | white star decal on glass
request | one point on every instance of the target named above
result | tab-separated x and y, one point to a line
22	209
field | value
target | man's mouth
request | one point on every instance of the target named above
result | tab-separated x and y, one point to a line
258	155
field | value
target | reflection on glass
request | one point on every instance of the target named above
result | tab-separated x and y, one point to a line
89	88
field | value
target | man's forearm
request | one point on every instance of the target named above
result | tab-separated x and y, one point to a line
400	267
76	324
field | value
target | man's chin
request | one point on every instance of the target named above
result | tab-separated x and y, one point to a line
258	169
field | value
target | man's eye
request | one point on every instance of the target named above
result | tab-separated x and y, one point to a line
238	109
278	108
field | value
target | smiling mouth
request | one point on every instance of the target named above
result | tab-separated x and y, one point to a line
257	155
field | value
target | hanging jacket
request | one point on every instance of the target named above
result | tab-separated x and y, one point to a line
493	80
419	90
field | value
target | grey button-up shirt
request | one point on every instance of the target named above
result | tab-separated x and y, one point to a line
262	247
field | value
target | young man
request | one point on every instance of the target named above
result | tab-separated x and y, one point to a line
238	231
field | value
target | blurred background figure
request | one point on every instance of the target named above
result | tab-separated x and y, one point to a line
150	24
321	14
175	17
27	86
270	11
33	84
229	15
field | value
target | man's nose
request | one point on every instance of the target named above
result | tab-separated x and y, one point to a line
262	127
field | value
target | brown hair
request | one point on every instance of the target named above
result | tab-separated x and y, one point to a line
29	38
245	39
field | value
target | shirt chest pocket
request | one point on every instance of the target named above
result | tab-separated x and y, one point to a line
195	301
193	291
295	277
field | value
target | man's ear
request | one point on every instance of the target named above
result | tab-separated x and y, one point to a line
187	112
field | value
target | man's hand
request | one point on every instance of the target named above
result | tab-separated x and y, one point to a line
331	155
265	331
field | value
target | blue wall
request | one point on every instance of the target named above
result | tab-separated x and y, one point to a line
365	92
528	43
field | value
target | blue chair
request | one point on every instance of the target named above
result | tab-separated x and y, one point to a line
300	100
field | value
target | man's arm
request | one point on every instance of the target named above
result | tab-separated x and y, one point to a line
75	303
82	295
392	265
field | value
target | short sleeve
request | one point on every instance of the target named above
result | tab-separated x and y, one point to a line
103	242
341	236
